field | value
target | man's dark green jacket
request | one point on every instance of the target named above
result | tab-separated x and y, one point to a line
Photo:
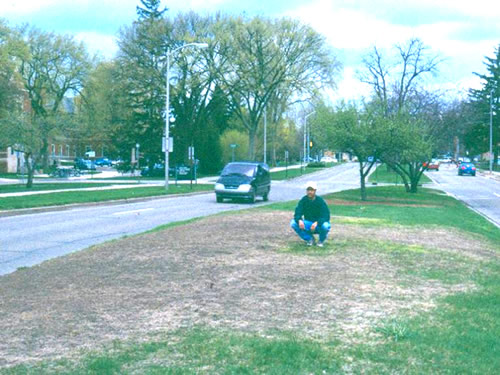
312	210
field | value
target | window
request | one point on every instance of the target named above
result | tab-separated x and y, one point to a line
67	150
53	149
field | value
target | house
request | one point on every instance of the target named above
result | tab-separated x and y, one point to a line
11	160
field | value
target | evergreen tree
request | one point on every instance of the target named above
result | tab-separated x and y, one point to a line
478	135
150	10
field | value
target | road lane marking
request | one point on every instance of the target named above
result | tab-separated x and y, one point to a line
132	212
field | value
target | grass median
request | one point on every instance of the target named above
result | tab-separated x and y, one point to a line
399	288
384	174
73	197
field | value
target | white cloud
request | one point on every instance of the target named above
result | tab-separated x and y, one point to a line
353	27
102	44
349	88
14	7
347	28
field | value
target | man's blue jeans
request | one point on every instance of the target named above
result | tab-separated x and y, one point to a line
306	234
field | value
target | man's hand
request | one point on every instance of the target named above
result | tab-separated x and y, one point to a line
313	226
301	225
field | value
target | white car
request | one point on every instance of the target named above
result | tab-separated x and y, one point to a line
328	159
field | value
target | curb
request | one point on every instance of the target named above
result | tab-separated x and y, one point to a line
65	207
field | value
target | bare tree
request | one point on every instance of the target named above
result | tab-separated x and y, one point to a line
398	92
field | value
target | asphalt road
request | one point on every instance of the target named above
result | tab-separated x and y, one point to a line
30	239
480	192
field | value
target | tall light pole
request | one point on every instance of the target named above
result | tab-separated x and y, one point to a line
491	131
167	103
265	136
308	135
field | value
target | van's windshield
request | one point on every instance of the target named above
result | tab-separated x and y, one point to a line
239	170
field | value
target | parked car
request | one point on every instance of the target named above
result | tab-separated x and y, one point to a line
84	164
103	162
245	180
466	168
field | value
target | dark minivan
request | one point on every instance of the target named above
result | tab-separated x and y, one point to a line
245	180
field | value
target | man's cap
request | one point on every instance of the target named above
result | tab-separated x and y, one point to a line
312	185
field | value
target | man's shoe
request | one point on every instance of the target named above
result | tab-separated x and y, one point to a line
321	244
310	242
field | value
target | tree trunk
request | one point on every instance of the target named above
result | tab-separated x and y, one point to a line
362	181
251	143
30	166
44	152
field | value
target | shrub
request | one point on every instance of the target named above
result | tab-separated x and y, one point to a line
316	164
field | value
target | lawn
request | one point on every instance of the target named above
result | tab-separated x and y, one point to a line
385	175
296	172
18	188
72	197
399	288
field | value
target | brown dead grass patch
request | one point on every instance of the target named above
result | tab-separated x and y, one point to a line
228	271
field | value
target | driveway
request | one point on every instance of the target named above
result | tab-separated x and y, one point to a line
27	240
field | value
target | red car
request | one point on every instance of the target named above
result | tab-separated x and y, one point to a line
433	165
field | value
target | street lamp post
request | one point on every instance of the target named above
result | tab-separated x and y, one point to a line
491	131
308	135
167	104
265	136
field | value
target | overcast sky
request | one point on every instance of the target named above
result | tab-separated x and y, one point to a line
461	32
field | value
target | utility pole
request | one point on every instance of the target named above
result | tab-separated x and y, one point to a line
265	136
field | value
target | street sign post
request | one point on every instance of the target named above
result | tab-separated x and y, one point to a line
191	158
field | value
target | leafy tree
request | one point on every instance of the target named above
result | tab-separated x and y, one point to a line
346	129
260	56
140	79
10	84
478	135
101	113
54	67
237	137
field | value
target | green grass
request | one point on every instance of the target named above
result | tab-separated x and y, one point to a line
461	336
296	172
55	199
201	350
426	208
384	175
17	188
